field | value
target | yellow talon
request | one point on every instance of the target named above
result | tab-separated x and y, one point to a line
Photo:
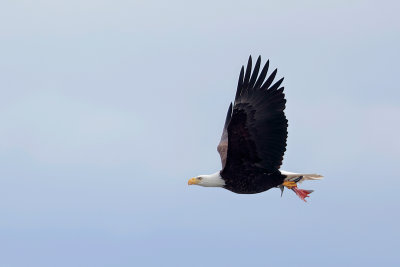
289	184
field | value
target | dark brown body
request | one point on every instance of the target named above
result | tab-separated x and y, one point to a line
257	181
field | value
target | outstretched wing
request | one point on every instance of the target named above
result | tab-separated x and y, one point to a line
257	126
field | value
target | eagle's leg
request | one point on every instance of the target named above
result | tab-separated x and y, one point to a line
301	193
289	184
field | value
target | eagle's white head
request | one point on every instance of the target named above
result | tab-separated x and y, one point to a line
211	180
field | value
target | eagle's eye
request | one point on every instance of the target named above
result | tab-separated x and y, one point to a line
200	178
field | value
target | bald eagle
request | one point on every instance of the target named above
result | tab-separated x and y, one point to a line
254	137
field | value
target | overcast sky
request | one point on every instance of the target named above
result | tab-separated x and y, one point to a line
108	107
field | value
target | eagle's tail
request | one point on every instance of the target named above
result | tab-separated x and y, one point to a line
301	177
292	179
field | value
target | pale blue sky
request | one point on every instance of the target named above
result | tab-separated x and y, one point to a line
108	107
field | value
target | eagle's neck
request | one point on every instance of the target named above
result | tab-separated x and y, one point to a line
212	180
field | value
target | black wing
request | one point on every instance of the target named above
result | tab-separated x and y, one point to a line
256	128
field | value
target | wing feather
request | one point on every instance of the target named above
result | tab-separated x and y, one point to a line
247	75
240	84
255	73
262	76
269	81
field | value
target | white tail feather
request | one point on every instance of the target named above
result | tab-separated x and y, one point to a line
290	176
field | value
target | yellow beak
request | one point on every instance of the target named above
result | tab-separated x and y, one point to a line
193	181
